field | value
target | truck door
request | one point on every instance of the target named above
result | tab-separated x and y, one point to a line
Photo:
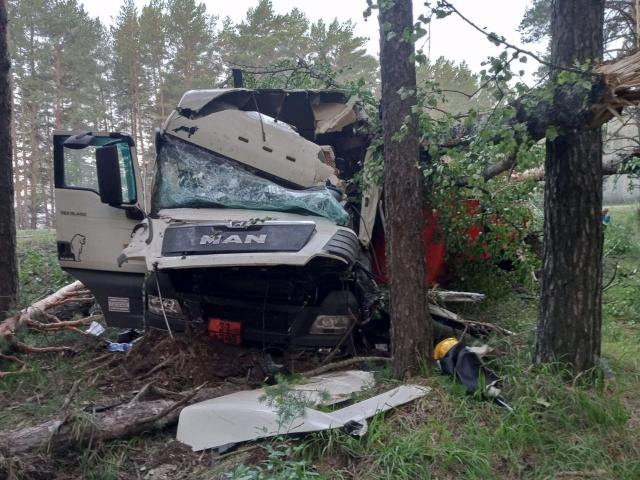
91	234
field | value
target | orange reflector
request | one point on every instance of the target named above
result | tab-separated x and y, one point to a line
226	331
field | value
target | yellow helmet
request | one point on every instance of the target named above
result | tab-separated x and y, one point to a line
443	347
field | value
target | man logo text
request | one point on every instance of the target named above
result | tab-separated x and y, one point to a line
217	239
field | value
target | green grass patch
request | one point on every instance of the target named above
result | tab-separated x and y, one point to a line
40	390
39	271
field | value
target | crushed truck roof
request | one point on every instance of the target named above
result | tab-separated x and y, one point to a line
306	110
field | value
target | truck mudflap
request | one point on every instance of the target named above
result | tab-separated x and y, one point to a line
118	294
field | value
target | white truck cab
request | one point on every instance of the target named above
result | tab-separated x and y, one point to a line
247	232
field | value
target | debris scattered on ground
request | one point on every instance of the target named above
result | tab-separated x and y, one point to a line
142	382
165	471
261	413
119	347
448	296
455	321
95	329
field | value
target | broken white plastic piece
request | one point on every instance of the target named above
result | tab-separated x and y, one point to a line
245	416
332	388
95	329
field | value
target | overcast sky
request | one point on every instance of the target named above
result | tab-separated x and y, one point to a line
449	37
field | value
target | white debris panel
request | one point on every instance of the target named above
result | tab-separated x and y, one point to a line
252	414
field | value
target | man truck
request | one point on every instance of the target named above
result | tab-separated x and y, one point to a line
250	229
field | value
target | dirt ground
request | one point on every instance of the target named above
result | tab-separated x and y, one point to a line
172	365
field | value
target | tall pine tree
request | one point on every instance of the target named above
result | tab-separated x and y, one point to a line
8	263
191	43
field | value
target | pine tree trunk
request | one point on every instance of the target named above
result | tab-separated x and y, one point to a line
162	111
34	166
8	264
571	310
17	173
57	77
411	330
160	88
51	207
142	156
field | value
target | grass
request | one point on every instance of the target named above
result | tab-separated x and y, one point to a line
561	424
47	378
621	300
39	272
45	383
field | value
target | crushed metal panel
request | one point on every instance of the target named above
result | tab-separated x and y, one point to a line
333	117
195	100
380	403
369	208
245	416
282	154
336	387
292	106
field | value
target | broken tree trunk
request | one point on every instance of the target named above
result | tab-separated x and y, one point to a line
611	165
122	421
574	107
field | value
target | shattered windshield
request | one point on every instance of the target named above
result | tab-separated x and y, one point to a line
192	177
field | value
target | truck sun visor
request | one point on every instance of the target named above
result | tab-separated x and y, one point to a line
196	178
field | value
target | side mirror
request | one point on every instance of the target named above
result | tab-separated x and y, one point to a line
109	182
79	141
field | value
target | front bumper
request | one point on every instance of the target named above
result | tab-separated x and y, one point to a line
279	318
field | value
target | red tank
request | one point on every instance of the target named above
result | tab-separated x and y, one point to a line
434	245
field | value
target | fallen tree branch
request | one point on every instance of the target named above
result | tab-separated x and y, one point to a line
500	39
69	398
11	325
173	407
611	165
24	348
115	358
61	325
16	372
160	366
143	391
492	170
472	326
163	392
448	296
11	358
33	316
342	364
77	300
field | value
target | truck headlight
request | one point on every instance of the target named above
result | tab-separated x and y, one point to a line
171	306
330	324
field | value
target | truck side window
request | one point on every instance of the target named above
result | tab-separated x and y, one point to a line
80	169
127	175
